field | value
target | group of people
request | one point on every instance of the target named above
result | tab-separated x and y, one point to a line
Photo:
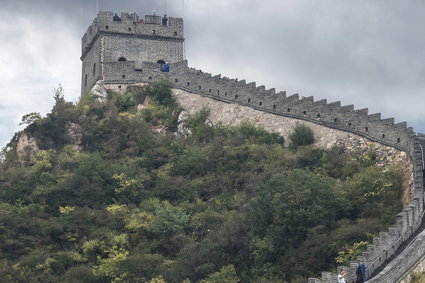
360	273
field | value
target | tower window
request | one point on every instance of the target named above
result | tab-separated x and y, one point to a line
94	69
175	33
236	96
123	76
129	29
176	80
318	115
218	92
122	59
260	103
200	87
349	124
153	31
335	120
304	112
383	136
85	80
288	110
249	100
106	27
366	129
274	106
188	84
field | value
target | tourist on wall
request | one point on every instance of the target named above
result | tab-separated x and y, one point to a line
165	20
341	275
360	272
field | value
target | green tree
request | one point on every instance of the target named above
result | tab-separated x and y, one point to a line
301	135
227	274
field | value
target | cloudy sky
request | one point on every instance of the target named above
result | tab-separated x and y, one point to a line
362	52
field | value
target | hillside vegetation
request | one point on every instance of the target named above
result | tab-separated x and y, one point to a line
140	203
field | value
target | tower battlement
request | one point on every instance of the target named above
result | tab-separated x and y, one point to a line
116	46
120	50
130	24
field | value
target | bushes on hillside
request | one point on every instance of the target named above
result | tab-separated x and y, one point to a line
223	204
301	135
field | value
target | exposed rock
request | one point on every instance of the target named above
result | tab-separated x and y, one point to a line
234	114
183	129
27	147
148	100
99	90
208	122
159	130
75	133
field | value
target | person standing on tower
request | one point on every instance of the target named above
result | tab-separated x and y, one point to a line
164	20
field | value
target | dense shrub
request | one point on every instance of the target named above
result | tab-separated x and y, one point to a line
140	204
301	135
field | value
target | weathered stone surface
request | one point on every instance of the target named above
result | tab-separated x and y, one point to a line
114	50
182	129
146	102
233	114
26	147
75	133
106	43
99	90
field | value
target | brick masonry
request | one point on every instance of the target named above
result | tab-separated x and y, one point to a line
143	45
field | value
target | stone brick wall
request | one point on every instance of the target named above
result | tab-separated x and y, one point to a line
91	71
412	259
144	44
106	41
331	123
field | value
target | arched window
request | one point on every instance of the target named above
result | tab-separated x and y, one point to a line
162	62
122	59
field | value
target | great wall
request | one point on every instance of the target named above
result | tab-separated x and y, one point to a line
123	50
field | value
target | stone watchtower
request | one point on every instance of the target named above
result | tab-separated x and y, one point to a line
121	49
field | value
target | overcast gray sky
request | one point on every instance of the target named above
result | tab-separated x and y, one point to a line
362	52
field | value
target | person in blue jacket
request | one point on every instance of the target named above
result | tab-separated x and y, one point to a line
165	68
360	272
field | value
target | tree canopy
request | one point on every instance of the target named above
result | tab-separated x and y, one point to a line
223	204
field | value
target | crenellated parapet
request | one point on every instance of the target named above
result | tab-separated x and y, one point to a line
116	45
331	115
126	49
130	24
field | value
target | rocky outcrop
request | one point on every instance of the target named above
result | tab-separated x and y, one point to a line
183	130
386	156
148	100
27	147
75	134
99	90
325	137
